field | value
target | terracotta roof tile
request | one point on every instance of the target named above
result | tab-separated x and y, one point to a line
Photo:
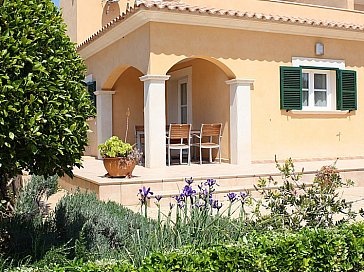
179	6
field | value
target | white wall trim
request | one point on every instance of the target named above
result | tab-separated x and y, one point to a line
323	112
144	16
315	62
154	78
240	81
104	93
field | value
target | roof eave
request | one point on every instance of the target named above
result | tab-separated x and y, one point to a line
127	23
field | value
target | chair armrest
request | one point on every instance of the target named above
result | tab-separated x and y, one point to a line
196	135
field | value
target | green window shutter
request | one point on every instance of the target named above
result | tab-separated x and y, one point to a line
91	88
291	88
346	90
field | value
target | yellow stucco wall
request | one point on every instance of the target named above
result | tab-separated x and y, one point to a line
258	56
69	14
132	50
128	96
85	17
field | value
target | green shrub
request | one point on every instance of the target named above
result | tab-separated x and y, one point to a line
103	230
44	102
80	266
336	249
26	234
38	189
295	205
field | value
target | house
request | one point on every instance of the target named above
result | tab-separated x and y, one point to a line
284	78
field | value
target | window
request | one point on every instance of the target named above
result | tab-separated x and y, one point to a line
183	105
91	88
315	89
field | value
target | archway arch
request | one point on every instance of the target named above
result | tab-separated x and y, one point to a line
222	66
197	93
110	11
127	102
114	76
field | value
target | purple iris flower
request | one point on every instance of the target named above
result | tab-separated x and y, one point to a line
232	197
243	195
188	191
200	205
211	200
204	193
179	198
189	181
158	197
216	205
145	194
211	182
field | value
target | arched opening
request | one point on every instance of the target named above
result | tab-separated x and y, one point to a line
197	93
110	11
127	104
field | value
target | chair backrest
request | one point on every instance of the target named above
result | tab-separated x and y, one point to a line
211	130
139	128
179	131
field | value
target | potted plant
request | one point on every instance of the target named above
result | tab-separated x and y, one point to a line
119	158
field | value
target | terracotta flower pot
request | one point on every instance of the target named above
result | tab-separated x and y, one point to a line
119	167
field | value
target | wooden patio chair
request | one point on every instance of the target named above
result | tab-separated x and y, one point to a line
179	138
211	132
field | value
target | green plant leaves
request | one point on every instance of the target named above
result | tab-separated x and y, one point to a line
43	102
114	147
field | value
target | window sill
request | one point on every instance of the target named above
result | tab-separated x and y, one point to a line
326	112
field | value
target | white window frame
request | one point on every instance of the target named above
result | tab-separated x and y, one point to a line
180	82
330	90
331	81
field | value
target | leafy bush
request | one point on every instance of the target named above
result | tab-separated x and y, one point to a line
31	196
332	249
294	204
80	266
108	230
336	249
26	234
102	229
44	103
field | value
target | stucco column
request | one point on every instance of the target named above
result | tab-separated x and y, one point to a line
240	121
103	115
154	120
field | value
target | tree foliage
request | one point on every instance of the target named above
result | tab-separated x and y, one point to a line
43	102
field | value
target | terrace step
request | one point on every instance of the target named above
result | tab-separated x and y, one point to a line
168	183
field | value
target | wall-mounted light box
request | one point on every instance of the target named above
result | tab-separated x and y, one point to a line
319	49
